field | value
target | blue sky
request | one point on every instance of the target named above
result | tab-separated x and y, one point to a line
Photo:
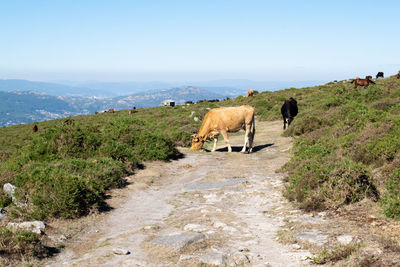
198	40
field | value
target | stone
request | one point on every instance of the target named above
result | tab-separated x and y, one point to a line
195	227
2	214
9	190
151	227
121	251
178	241
214	184
219	224
184	257
58	238
296	246
345	239
36	227
241	259
214	258
314	237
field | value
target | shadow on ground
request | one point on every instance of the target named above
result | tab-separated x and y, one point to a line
239	148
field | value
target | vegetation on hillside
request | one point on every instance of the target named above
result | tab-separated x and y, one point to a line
347	147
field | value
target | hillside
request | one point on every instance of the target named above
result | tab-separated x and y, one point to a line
347	149
18	107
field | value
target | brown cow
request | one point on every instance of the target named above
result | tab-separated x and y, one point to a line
223	120
95	113
35	128
69	122
132	111
362	82
250	93
111	110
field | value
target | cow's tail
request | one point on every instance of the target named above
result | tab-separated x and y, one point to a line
253	128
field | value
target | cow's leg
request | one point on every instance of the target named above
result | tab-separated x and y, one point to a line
246	138
215	143
284	123
225	135
289	121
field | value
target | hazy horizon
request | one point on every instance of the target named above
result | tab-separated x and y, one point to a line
169	41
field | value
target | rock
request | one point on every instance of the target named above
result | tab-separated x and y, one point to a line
121	251
219	224
2	214
185	257
179	241
195	227
9	190
36	227
314	237
296	246
57	238
214	258
151	227
345	239
241	259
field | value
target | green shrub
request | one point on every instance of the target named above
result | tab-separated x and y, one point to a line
68	188
16	245
391	199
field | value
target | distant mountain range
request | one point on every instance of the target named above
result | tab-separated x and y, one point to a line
18	106
23	101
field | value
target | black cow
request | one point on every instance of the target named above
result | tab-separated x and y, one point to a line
380	74
289	110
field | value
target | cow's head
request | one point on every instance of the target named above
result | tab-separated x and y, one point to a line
197	142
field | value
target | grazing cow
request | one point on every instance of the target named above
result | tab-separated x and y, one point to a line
362	82
188	102
35	128
69	121
223	120
95	113
213	100
379	74
111	110
289	110
132	111
199	101
227	98
250	93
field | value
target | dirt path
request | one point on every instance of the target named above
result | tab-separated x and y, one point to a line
215	208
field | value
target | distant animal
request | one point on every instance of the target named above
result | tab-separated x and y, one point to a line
250	93
95	113
223	120
69	121
398	75
188	102
289	110
362	82
134	108
35	128
111	110
213	100
379	74
132	111
227	98
199	101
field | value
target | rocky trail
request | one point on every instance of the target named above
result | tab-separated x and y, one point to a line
205	209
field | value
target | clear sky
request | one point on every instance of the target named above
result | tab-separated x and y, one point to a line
169	40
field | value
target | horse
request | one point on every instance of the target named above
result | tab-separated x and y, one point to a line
362	82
